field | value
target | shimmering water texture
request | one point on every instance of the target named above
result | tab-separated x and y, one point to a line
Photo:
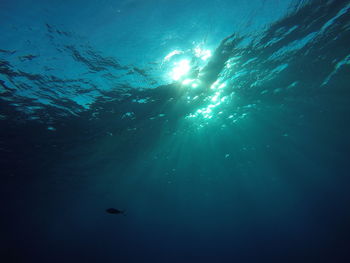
221	128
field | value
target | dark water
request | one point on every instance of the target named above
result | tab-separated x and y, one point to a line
245	158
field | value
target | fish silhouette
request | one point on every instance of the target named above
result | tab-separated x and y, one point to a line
115	211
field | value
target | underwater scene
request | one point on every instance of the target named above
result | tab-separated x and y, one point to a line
171	131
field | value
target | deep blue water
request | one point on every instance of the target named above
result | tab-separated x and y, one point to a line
220	127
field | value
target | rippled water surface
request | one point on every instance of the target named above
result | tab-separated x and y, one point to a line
219	127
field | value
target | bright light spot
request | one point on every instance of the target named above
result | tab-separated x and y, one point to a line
171	54
213	86
232	62
215	97
187	81
223	85
204	54
192	115
207	110
181	68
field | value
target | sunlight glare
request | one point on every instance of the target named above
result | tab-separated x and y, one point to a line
171	54
181	69
204	54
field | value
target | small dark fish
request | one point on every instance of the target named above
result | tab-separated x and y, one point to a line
115	211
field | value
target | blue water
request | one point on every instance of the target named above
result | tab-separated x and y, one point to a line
219	127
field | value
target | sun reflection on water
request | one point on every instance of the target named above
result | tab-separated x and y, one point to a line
186	69
215	98
181	68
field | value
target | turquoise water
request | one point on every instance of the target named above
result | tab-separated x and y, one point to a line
219	127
